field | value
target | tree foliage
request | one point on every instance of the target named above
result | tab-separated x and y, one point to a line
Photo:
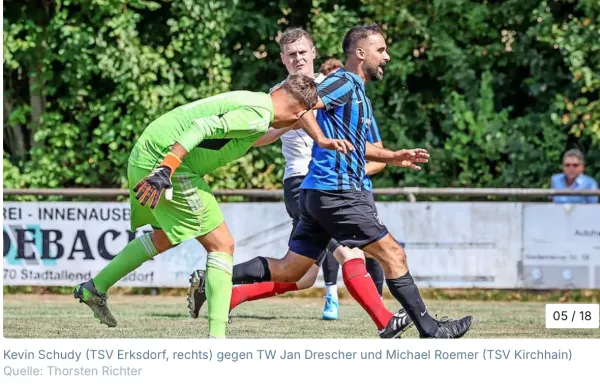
496	90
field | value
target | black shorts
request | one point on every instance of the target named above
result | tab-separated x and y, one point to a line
371	199
349	217
291	197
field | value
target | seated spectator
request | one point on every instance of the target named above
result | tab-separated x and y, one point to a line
572	177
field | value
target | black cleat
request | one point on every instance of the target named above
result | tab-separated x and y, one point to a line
397	325
453	329
86	293
196	293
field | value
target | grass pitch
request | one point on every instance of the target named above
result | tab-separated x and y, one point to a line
61	316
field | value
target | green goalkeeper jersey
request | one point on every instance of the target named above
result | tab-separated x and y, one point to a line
214	131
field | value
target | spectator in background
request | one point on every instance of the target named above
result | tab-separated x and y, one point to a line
572	177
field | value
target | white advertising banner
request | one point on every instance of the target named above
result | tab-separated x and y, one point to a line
561	246
61	244
458	244
494	245
64	243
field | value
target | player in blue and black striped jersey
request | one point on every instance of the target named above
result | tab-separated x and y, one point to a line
330	265
347	113
334	206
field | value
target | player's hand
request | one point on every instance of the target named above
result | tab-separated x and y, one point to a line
409	158
340	145
152	187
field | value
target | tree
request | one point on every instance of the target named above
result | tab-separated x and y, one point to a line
496	91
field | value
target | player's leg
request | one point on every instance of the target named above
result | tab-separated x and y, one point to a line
264	277
330	275
319	209
135	253
373	266
250	289
403	288
94	292
219	246
307	242
256	291
354	259
344	216
252	292
362	288
374	269
291	268
261	277
204	220
254	277
270	277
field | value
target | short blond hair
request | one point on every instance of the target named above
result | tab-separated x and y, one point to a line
303	89
293	34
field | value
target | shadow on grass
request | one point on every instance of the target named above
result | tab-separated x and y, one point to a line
168	315
252	317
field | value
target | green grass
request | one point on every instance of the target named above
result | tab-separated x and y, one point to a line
58	316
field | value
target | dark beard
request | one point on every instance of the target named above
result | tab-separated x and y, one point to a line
374	75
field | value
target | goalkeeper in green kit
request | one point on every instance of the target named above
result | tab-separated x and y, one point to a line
167	189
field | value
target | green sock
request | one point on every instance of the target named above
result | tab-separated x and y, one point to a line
135	253
219	268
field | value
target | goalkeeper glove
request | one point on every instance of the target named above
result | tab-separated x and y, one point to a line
152	187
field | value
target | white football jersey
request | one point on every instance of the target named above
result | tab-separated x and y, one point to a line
296	147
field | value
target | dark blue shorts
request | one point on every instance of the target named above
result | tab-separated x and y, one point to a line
291	196
349	217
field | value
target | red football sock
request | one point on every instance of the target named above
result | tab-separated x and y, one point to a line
361	287
252	292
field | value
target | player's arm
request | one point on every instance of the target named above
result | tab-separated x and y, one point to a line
333	91
151	188
374	138
402	158
234	124
309	124
374	167
271	136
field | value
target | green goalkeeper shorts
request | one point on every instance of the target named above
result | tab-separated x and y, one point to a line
193	211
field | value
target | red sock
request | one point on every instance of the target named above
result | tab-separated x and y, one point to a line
252	292
361	287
